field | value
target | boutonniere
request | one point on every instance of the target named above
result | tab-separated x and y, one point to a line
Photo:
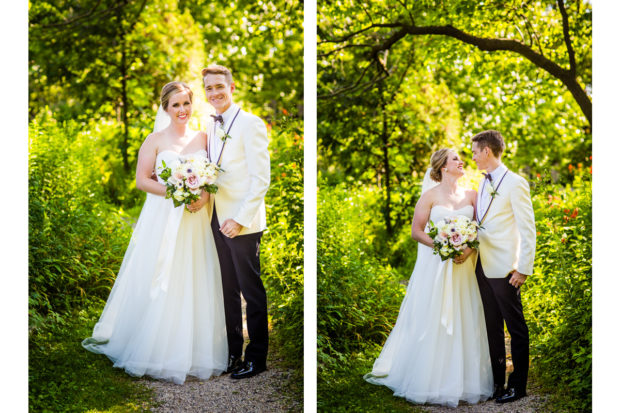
221	134
492	191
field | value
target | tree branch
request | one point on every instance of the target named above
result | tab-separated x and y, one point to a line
490	45
355	85
569	47
73	20
402	3
342	48
355	33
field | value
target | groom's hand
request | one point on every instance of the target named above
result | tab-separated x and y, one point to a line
517	279
230	228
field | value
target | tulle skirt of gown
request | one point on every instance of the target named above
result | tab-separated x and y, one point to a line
165	314
438	350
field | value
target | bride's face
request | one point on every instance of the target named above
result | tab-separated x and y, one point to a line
180	107
454	165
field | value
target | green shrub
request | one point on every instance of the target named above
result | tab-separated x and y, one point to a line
358	294
558	296
76	240
282	245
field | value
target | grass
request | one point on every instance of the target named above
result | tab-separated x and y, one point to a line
344	389
64	377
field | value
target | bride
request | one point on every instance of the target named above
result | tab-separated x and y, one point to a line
165	314
438	350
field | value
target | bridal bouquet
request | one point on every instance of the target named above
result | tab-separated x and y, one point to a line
452	235
187	177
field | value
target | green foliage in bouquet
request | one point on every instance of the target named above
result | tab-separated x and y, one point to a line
189	197
439	242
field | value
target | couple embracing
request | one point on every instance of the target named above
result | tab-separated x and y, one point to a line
175	307
448	342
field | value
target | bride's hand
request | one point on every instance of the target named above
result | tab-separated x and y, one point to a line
464	256
197	205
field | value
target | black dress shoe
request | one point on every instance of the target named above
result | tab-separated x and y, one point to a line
498	391
510	396
249	369
234	364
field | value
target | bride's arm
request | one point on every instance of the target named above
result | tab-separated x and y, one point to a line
421	216
144	170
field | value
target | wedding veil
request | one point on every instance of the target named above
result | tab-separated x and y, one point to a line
427	182
162	120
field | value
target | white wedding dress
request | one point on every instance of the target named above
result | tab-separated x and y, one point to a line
438	350
165	314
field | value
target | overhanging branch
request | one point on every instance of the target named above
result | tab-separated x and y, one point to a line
566	76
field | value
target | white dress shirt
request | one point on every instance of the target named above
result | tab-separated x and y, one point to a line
484	199
216	144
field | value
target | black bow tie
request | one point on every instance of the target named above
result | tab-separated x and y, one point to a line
487	176
218	118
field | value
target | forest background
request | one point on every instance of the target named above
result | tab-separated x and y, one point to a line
397	83
96	69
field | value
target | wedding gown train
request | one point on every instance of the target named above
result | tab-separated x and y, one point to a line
165	314
438	351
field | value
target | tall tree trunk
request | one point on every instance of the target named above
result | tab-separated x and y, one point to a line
124	103
386	162
124	100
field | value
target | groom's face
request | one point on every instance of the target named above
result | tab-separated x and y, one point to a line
219	92
480	156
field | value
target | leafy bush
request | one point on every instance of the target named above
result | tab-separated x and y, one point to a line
558	297
76	240
282	244
76	245
358	294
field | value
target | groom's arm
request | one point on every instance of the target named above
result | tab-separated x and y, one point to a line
524	216
256	144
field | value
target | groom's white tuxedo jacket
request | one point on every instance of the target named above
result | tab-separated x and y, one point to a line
508	237
244	182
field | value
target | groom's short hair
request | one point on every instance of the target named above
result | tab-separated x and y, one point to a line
218	70
491	139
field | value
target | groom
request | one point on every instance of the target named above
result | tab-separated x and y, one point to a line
506	258
238	143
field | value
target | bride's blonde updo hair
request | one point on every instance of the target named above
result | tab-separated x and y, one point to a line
438	161
171	89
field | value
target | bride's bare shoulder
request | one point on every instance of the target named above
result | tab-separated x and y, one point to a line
471	195
153	140
428	198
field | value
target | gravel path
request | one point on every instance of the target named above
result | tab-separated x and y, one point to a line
266	392
534	402
270	391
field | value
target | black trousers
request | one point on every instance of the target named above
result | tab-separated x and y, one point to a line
240	266
502	302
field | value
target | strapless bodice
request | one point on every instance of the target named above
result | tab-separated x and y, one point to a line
170	155
439	212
